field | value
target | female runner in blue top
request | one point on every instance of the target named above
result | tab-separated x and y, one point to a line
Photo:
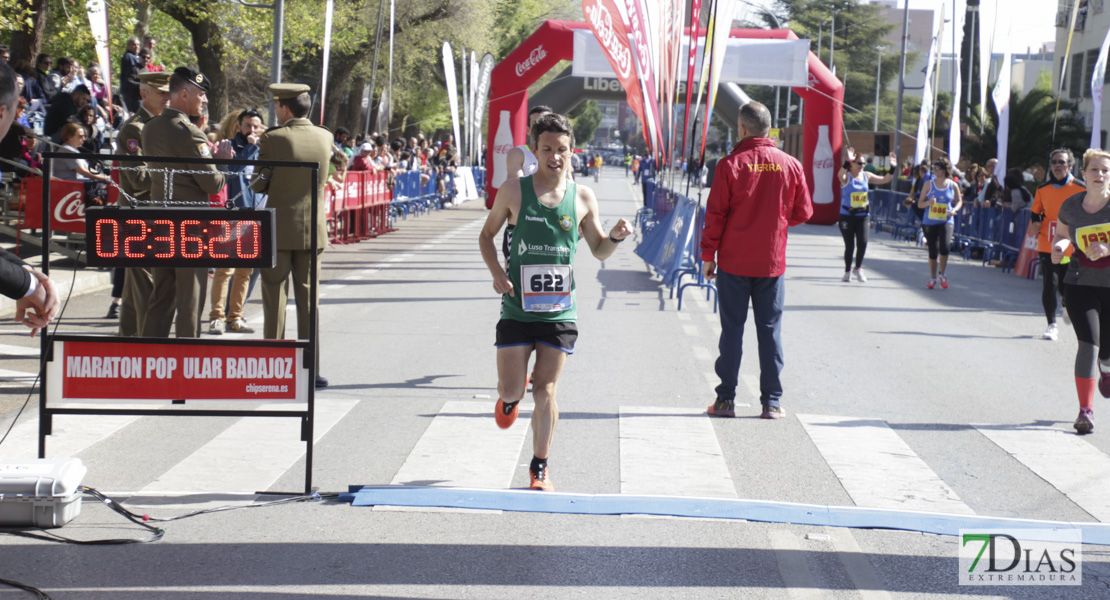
941	200
855	209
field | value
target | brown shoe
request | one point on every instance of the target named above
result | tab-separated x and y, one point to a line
772	412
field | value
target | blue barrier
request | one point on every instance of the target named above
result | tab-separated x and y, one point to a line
671	229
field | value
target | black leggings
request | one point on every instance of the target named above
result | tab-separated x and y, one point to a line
1085	305
855	230
117	282
936	239
1053	276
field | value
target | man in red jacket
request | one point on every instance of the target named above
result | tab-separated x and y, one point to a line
758	191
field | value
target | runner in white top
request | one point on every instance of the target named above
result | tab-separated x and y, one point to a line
521	163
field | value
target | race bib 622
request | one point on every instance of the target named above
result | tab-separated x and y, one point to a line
546	288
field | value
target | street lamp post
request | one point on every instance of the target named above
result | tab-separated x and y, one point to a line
279	32
878	86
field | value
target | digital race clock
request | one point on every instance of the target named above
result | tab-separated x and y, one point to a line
180	237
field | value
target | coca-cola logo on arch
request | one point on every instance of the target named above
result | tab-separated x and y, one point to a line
71	208
533	59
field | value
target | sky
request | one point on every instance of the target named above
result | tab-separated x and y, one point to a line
1034	23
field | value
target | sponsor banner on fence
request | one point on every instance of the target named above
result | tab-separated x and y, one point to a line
107	371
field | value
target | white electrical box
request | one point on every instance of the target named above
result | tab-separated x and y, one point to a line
40	492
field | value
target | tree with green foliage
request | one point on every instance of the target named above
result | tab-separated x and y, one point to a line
584	120
1030	138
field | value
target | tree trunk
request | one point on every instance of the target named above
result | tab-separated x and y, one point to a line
27	42
338	76
354	105
208	46
143	12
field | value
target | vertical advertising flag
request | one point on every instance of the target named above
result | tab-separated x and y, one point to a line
722	26
987	21
695	24
1098	78
98	20
642	52
605	21
461	143
923	141
328	13
452	87
475	125
482	95
1001	95
959	11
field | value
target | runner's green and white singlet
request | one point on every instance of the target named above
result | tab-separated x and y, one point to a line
541	258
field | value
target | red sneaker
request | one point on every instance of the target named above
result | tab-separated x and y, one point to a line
505	419
542	480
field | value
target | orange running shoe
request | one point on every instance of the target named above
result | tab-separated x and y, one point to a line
504	414
542	480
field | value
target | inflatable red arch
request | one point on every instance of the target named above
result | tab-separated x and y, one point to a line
554	41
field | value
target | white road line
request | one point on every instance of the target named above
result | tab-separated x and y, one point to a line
671	451
690	330
20	351
877	468
463	447
9	378
683	316
250	455
856	564
790	553
71	434
1068	462
701	353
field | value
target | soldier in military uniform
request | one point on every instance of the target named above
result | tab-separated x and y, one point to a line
154	89
172	134
291	195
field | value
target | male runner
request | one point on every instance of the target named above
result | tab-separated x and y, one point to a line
538	310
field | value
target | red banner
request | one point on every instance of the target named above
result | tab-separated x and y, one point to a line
642	48
605	21
141	371
67	202
695	25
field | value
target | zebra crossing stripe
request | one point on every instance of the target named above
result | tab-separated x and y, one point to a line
250	455
71	435
672	451
877	468
463	447
1071	464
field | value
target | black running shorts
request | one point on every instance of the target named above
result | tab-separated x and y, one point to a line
561	335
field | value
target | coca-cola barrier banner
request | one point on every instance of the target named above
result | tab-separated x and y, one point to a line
605	21
67	205
554	41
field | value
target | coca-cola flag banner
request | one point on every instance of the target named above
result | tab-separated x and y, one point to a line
642	51
482	95
604	20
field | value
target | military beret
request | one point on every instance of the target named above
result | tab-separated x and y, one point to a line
159	80
194	77
288	91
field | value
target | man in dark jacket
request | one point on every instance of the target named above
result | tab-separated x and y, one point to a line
758	192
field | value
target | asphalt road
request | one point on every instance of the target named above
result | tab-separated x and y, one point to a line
898	398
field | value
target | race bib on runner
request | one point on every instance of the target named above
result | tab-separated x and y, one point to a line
859	200
546	288
1085	236
938	212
